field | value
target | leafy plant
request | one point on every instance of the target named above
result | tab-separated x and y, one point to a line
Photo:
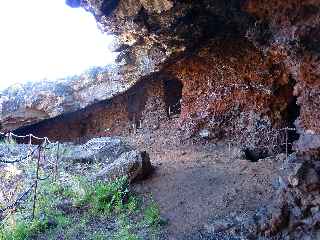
21	230
110	196
125	231
152	215
132	204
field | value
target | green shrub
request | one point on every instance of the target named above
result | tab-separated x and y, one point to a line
132	204
95	198
125	231
22	229
125	234
107	197
152	215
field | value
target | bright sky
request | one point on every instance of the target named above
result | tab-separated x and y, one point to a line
47	39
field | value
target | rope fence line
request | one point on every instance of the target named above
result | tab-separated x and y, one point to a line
21	159
30	136
39	154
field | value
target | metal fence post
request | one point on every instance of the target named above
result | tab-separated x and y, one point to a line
286	129
36	183
30	146
57	163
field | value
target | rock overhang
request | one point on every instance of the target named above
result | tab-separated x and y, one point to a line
153	35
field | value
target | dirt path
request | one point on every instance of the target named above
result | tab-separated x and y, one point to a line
193	184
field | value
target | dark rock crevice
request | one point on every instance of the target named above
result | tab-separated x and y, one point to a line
293	112
108	6
173	96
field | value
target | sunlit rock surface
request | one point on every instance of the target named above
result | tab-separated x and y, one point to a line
116	159
25	104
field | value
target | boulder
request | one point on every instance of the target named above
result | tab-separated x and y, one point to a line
114	158
97	150
133	164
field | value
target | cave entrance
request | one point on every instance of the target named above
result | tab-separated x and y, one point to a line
136	102
173	96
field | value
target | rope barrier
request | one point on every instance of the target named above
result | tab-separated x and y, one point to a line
18	200
10	134
20	160
41	147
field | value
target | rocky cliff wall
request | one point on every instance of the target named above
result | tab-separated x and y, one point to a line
244	64
236	92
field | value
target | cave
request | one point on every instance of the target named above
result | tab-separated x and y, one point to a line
208	88
173	96
145	106
289	116
140	108
255	155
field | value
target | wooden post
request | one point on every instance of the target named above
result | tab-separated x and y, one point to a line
8	141
134	124
36	183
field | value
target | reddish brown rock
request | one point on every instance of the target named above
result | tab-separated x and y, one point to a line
231	88
294	29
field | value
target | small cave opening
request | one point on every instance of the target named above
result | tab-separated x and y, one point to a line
255	155
288	137
293	113
136	102
173	96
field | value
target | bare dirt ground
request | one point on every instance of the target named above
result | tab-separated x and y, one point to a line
196	182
